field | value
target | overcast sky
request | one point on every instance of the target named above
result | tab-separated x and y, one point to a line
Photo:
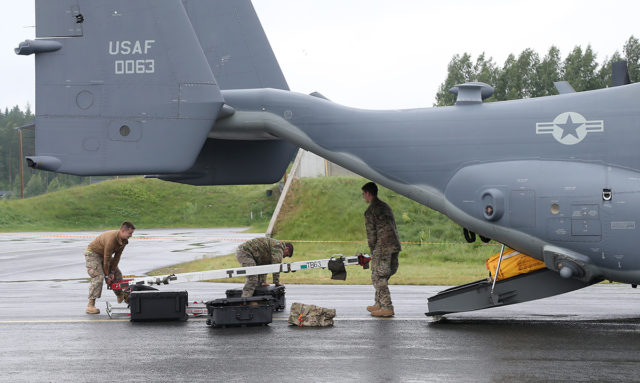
381	54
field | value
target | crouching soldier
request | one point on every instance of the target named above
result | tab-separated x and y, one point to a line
102	266
261	251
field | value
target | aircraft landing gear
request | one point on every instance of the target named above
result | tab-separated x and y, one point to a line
470	236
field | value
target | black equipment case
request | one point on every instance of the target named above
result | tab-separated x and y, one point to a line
158	305
276	293
250	311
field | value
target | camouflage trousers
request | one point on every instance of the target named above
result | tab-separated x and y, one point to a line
383	266
93	262
251	281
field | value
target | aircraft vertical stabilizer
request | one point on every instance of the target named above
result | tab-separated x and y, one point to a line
235	44
117	83
240	57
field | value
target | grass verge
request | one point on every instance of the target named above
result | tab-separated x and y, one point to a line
446	264
148	203
331	209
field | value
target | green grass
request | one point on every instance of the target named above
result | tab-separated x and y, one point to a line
331	209
148	203
319	210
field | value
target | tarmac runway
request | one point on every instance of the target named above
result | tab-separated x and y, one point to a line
587	335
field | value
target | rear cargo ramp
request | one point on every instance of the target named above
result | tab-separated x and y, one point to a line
522	288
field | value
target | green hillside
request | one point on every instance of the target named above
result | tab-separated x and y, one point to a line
333	209
149	203
324	216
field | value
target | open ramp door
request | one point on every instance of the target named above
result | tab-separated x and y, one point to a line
522	288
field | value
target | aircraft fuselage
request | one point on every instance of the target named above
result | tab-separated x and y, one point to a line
554	177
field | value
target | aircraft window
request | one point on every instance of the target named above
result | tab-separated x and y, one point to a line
125	130
555	208
488	211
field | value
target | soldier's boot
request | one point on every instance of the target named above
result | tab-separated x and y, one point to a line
373	308
384	313
91	307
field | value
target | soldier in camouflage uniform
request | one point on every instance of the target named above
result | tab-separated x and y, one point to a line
102	266
261	251
384	244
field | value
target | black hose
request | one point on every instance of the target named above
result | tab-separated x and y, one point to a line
470	236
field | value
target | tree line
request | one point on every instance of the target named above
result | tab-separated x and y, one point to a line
528	75
34	182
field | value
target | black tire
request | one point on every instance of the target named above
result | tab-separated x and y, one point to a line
485	239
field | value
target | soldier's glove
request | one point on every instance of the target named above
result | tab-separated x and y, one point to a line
363	260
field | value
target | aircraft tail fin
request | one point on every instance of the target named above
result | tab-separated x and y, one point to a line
240	57
235	44
619	74
120	84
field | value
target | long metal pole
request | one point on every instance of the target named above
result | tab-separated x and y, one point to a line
243	271
495	277
21	160
10	166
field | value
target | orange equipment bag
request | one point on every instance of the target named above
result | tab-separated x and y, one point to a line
513	263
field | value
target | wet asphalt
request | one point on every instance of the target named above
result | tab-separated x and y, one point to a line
587	335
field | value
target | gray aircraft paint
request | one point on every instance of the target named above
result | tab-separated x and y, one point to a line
240	57
449	158
560	173
129	85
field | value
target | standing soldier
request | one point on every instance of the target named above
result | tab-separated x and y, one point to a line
384	244
261	251
100	264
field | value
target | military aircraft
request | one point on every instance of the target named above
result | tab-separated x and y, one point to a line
190	91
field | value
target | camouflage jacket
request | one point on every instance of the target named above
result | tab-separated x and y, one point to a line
382	233
265	251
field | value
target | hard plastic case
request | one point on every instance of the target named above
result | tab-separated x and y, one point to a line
275	292
158	305
233	312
